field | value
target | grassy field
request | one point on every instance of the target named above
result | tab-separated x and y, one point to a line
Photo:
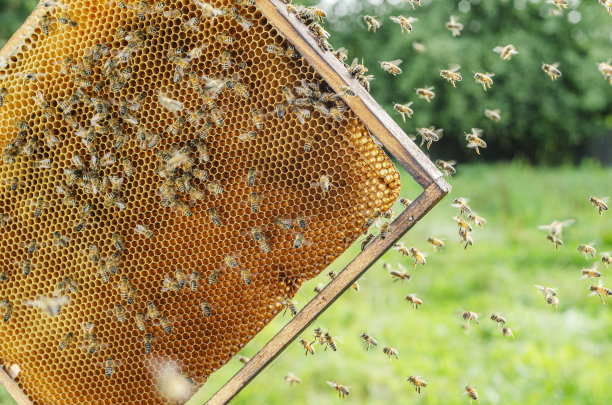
557	357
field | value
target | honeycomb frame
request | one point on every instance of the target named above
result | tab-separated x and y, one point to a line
369	114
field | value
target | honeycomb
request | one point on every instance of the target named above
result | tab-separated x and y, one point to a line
113	164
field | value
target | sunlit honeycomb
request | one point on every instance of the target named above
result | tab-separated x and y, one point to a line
49	109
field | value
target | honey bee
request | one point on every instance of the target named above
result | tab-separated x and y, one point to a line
152	311
426	93
254	200
143	230
452	75
215	188
275	49
429	135
546	291
148	341
587	249
606	258
330	342
438	244
67	20
225	39
494	115
454	26
7	308
168	103
214	216
384	230
404	110
343	390
243	359
555	241
553	301
471	393
324	182
46	23
205	308
398	275
289	305
50	306
372	22
484	79
42	164
191	25
605	68
505	52
590	273
404	23
600	291
164	323
418	382
412	299
413	2
600	203
212	277
60	240
245	275
507	332
498	319
369	340
392	67
476	219
291	379
405	202
208	11
308	346
66	341
390	352
551	70
470	316
284	223
475	141
560	4
319	287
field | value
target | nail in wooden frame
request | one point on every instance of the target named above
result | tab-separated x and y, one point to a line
399	146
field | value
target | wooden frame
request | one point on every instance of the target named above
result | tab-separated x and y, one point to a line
422	170
379	123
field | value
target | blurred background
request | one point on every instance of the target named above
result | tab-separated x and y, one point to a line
551	150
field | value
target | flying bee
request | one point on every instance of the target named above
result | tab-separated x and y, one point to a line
390	352
553	301
398	275
343	390
330	342
454	26
291	379
465	238
556	227
600	203
369	340
546	291
404	23
429	135
505	52
418	383
498	319
392	67
191	25
587	249
475	141
476	219
507	332
417	256
493	115
452	75
591	272
426	93
372	22
66	341
560	4
308	346
404	110
484	79
471	393
205	307
143	230
412	299
600	291
324	182
606	258
470	316
551	70
446	167
555	241
438	244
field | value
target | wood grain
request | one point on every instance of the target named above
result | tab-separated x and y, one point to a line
13	389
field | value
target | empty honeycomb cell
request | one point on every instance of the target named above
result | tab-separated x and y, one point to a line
363	180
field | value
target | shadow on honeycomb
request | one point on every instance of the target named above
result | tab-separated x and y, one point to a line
170	174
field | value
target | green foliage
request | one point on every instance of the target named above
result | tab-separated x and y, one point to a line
542	121
557	357
14	13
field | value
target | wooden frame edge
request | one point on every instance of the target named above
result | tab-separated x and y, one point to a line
402	224
13	389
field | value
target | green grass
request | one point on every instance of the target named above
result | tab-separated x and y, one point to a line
557	357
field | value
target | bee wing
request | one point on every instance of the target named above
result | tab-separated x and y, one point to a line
546	228
498	49
451	163
605	200
477	131
402	267
453	68
592	243
567	222
395	19
396	62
